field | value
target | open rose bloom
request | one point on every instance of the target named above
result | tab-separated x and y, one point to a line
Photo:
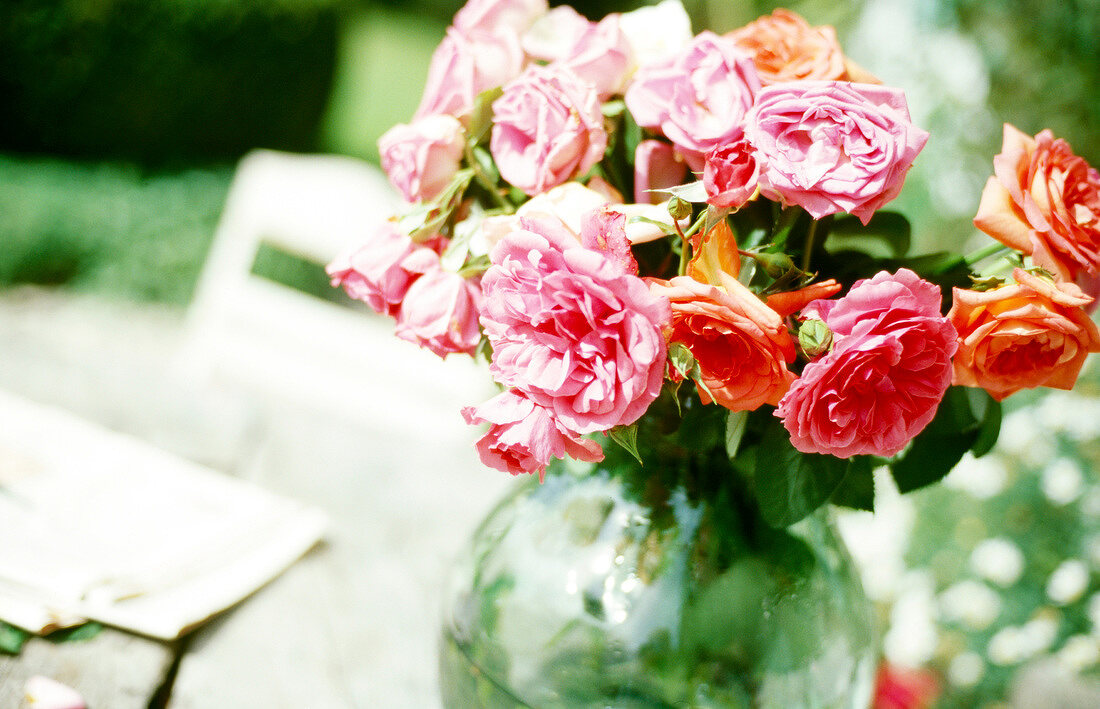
632	225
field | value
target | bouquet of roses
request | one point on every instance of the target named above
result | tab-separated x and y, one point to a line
606	210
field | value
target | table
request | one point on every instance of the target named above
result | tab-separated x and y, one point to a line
353	624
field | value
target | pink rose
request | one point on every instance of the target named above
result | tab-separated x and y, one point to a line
699	98
420	159
656	167
600	55
498	16
604	230
888	370
380	271
463	66
547	128
523	436
554	34
571	330
730	174
440	313
832	146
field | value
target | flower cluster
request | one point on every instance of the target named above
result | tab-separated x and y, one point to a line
607	209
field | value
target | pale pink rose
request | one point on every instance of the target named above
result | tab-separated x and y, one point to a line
601	56
547	128
731	174
657	166
555	33
699	98
463	66
440	312
656	32
523	436
571	330
568	203
888	370
43	692
380	271
833	146
498	16
420	159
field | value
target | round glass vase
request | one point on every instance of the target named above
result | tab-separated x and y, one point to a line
607	587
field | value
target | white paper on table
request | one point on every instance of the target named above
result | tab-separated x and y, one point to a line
100	525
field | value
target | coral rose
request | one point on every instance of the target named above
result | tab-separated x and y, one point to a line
523	436
784	47
421	158
740	344
1044	201
882	382
464	65
1033	333
440	313
571	330
547	128
831	146
699	98
380	271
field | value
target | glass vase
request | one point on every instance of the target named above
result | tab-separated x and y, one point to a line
618	586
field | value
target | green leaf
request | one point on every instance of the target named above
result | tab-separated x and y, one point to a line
988	412
480	124
943	443
12	639
857	489
736	422
426	220
666	227
84	631
887	234
487	172
627	437
691	192
791	484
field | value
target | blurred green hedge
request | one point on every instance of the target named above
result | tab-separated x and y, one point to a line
159	81
107	227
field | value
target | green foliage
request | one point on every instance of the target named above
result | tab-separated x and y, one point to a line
12	639
966	419
107	227
857	489
791	484
627	437
165	81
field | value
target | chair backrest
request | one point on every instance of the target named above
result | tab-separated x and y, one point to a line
247	329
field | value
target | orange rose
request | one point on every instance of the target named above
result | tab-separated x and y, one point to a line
784	47
1033	333
1044	201
740	344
